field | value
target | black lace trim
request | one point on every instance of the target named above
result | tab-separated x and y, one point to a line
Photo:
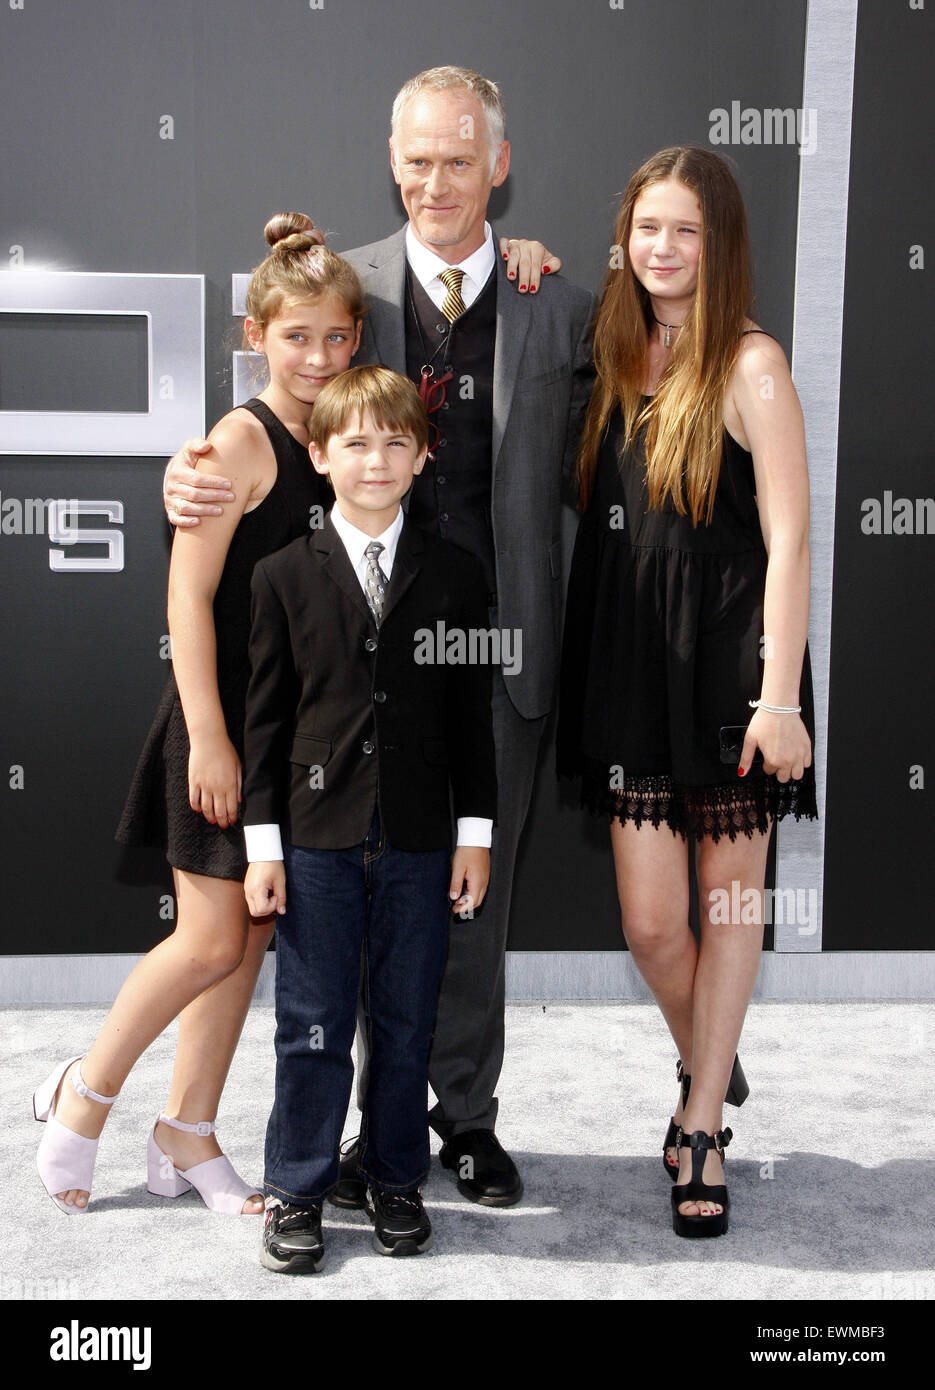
744	807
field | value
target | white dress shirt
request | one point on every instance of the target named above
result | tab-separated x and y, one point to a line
426	265
356	542
264	842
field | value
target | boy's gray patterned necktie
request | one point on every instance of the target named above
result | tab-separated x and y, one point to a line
375	581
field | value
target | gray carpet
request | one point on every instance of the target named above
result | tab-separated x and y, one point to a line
830	1173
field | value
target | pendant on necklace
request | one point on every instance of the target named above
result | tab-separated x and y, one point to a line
668	337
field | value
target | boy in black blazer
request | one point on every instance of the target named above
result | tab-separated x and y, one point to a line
361	731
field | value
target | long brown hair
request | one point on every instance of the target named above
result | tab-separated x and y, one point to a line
684	419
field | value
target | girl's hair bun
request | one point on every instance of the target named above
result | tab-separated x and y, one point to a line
299	267
290	231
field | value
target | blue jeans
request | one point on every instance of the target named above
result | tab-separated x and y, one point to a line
393	905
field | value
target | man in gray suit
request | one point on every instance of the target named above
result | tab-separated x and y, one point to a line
506	379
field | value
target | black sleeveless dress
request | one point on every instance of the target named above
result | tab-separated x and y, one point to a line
662	647
157	811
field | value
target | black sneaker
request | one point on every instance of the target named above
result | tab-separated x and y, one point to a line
292	1240
400	1225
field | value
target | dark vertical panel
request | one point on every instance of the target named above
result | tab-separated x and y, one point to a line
879	829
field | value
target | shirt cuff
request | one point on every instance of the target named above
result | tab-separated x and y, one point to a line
475	830
264	843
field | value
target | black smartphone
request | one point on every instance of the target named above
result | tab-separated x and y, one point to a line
730	742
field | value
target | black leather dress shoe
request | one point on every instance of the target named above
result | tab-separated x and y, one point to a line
486	1173
351	1191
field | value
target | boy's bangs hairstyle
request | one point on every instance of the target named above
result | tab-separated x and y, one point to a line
684	419
391	401
298	268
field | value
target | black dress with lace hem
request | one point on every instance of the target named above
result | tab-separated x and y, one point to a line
662	647
745	807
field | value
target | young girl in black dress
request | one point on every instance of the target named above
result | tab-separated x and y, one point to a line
304	312
687	605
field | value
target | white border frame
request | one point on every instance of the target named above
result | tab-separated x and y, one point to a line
174	306
827	88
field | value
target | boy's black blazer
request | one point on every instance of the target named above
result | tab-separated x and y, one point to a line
337	709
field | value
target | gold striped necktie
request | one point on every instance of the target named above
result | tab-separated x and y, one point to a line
454	304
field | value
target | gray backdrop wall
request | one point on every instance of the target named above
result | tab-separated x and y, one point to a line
155	140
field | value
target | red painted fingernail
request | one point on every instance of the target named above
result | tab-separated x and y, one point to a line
533	288
546	269
511	275
506	256
522	287
740	772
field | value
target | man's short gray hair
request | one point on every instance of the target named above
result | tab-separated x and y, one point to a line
444	79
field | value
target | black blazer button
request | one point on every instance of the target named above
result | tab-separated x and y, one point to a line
370	645
380	696
440	478
368	747
441	328
443	516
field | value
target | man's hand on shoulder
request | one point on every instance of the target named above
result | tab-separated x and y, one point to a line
188	495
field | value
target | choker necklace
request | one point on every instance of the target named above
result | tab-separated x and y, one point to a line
668	327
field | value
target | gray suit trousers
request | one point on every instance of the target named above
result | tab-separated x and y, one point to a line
467	1051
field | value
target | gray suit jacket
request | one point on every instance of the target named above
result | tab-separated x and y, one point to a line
542	379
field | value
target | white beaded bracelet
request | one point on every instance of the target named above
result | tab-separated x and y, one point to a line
775	709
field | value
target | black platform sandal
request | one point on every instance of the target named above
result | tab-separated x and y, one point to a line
737	1092
698	1191
672	1132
